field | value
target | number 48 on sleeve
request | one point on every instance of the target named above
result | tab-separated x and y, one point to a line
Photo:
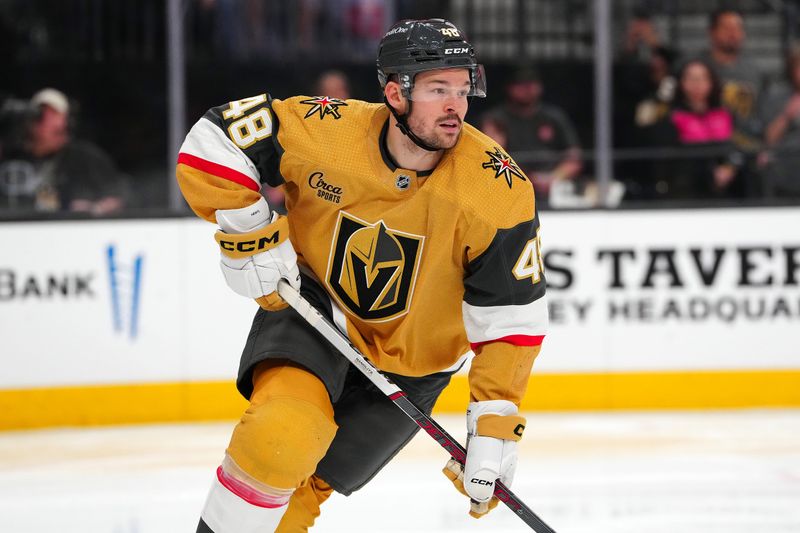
250	128
529	264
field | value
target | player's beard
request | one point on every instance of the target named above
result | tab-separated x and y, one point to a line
431	136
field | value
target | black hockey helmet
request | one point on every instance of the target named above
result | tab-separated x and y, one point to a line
414	46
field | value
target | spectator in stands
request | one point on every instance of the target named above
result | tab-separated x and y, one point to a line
642	100
540	136
742	78
703	128
660	89
365	22
641	37
644	84
333	83
781	114
50	171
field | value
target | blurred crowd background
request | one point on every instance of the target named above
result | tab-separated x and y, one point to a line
704	107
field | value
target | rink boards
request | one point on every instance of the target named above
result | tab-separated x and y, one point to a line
130	320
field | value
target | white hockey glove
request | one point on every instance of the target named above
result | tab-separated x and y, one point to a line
493	429
256	253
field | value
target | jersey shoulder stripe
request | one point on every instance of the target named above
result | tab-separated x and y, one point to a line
207	148
250	127
215	169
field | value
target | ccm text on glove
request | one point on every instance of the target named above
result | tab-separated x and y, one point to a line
256	253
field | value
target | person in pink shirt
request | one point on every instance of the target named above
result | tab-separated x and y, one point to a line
707	165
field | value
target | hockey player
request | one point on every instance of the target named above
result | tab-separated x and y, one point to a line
414	233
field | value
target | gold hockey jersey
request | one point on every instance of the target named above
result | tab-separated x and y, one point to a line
419	266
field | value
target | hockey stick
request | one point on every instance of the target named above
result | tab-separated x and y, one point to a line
456	451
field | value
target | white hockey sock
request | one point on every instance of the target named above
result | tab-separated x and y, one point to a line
234	506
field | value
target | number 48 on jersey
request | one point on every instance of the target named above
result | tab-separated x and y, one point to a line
251	128
529	264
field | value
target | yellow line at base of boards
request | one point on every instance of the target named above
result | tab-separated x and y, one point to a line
219	400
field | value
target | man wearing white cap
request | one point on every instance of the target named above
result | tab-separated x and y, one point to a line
54	172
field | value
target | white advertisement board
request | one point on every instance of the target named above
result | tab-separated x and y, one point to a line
140	301
672	290
116	302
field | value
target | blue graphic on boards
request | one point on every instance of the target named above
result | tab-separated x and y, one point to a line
126	283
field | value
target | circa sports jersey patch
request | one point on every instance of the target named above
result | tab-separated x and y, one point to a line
326	191
324	105
503	165
372	268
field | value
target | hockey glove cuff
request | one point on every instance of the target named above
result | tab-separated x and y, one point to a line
256	253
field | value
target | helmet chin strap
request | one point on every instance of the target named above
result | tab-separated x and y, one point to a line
402	124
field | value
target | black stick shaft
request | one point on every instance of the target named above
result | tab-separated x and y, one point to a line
458	453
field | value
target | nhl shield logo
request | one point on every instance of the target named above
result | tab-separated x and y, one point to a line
403	182
372	268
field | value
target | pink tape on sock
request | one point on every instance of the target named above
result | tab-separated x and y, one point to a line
249	494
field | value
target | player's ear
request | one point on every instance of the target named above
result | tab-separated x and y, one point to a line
394	95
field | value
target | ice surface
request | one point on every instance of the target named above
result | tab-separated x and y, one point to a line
687	472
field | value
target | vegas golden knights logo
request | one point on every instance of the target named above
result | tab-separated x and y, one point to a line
373	268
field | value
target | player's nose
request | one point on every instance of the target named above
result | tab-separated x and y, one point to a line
451	105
